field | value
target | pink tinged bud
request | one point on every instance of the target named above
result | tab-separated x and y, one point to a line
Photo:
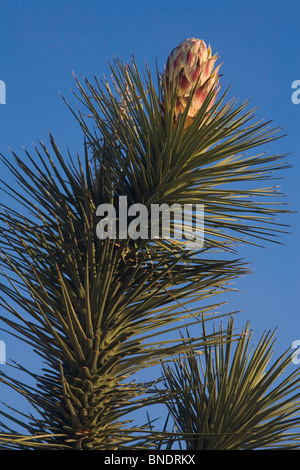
206	72
191	64
203	50
183	82
190	58
176	61
195	72
200	96
197	101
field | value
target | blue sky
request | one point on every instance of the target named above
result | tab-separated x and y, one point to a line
41	43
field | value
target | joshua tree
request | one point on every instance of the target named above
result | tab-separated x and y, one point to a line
99	310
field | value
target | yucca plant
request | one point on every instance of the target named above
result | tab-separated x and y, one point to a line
100	311
232	395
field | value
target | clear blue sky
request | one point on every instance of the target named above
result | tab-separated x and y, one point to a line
41	43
